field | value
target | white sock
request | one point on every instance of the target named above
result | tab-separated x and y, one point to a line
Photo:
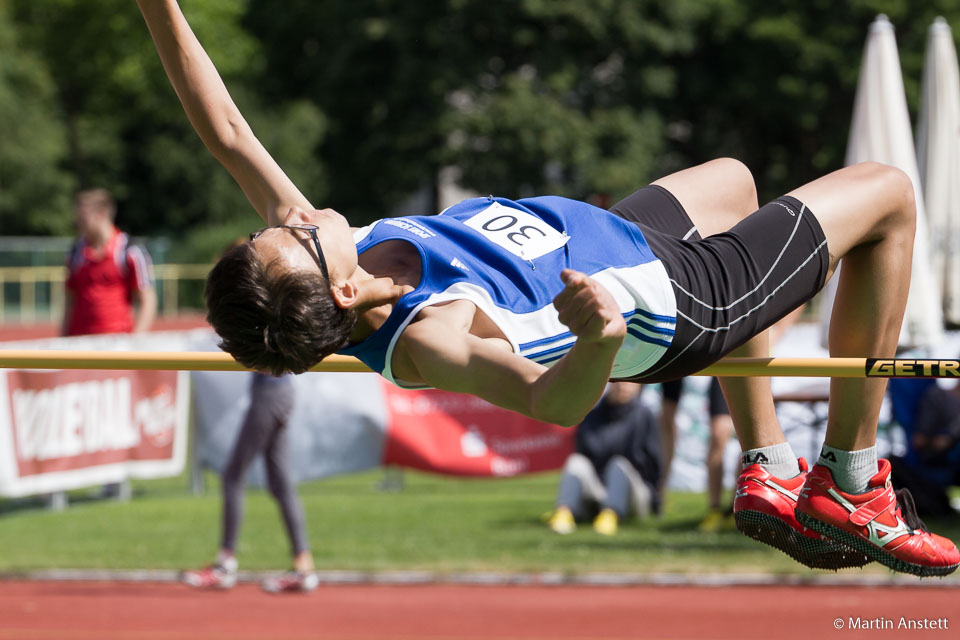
851	470
778	459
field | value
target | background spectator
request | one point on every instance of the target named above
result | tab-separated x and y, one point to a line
109	287
616	466
719	517
930	417
264	431
108	276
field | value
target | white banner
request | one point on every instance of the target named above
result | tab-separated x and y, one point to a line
69	429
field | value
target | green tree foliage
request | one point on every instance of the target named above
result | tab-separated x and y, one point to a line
573	97
524	97
569	94
772	81
34	189
362	101
381	72
122	126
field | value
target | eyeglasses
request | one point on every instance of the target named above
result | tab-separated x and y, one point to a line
312	230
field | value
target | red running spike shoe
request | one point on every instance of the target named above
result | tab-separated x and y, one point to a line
881	523
764	510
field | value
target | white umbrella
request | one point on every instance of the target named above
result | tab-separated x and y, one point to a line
881	132
938	156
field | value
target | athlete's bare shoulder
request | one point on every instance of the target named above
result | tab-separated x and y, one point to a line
436	333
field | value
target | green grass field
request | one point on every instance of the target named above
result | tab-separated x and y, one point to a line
434	523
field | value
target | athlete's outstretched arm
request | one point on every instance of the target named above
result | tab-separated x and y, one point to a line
214	115
563	394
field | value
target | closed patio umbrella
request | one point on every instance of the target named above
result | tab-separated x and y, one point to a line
938	158
880	131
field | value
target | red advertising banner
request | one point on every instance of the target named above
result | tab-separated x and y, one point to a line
463	435
73	420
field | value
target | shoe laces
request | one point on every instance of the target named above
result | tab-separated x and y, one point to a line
908	510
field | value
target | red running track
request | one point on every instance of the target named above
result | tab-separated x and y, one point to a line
155	611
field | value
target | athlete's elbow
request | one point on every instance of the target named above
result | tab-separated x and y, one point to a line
547	402
228	136
560	416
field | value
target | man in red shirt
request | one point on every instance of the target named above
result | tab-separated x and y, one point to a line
108	276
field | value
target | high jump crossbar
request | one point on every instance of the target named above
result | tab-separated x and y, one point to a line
735	367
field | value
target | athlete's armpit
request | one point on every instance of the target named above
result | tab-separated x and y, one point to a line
464	363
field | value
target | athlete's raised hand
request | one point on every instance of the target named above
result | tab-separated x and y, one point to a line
588	309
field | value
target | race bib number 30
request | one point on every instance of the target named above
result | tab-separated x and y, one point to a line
517	231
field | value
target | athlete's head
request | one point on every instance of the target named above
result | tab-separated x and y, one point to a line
282	302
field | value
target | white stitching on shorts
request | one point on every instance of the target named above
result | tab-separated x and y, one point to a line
764	301
762	280
671	360
704	330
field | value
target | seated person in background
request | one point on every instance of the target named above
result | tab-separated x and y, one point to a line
936	433
616	466
932	462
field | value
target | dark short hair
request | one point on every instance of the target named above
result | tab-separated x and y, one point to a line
272	319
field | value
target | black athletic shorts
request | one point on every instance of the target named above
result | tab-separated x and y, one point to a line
732	285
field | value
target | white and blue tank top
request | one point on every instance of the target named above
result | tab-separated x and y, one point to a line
506	256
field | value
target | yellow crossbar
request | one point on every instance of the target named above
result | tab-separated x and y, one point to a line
736	367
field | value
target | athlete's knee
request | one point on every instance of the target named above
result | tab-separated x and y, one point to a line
739	185
904	195
739	174
898	190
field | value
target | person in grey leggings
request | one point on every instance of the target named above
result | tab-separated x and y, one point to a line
264	430
616	465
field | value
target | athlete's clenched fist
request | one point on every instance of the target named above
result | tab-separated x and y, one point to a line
588	309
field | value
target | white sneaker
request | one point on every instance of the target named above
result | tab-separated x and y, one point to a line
213	577
292	581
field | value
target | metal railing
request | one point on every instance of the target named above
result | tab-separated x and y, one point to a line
48	282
